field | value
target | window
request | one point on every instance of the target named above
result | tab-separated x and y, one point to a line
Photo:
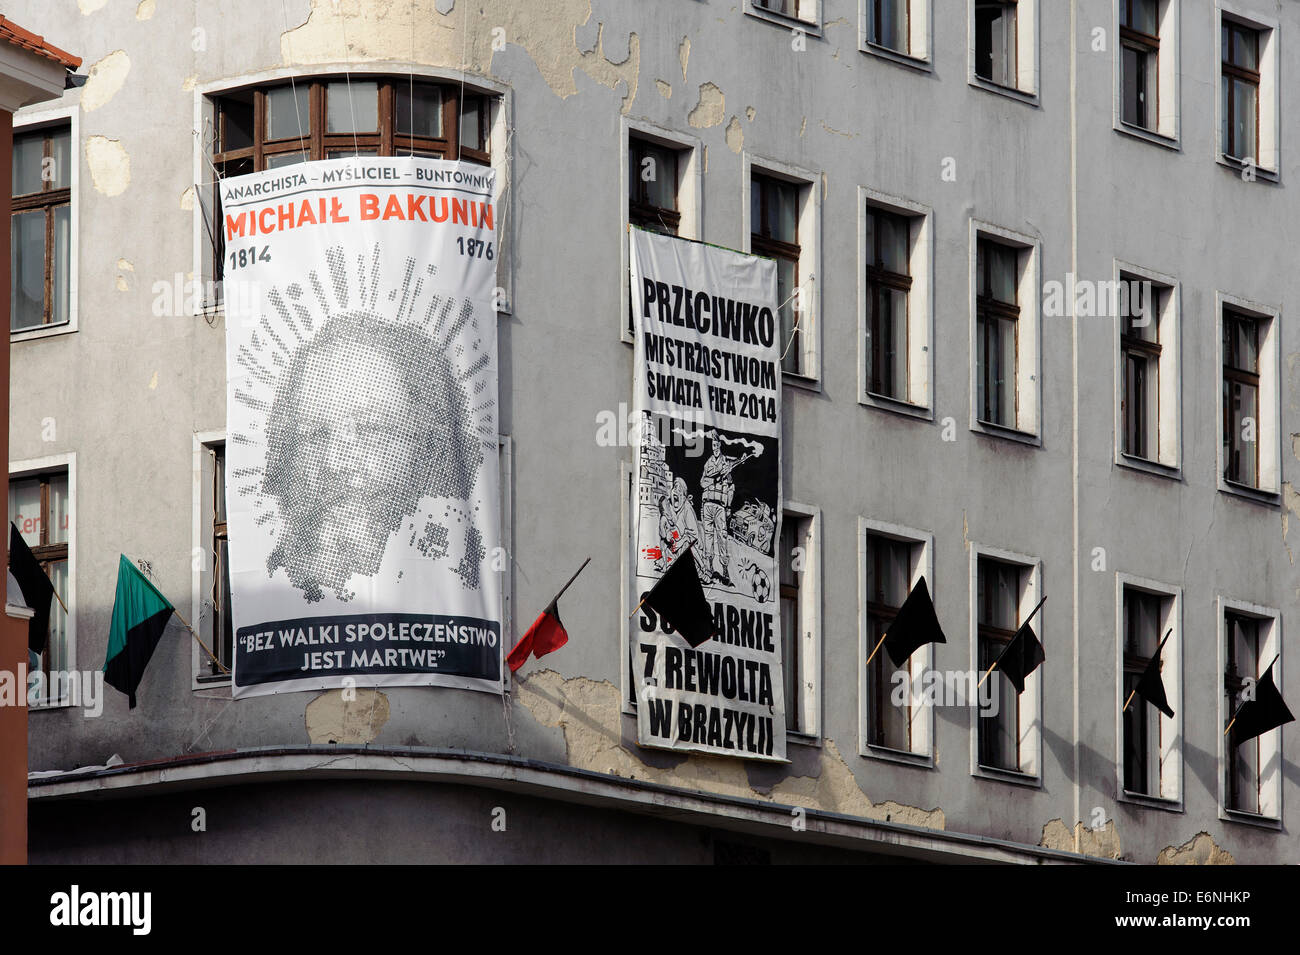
1251	773
1239	89
1005	308
652	186
1149	760
888	250
889	580
41	228
887	24
1249	103
215	620
1004	46
1139	35
800	596
995	41
780	227
1005	588
269	127
997	320
1141	720
39	507
1240	398
999	617
805	10
1147	332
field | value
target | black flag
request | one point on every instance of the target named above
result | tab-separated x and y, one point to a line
679	599
1266	711
1021	656
1151	688
36	587
915	625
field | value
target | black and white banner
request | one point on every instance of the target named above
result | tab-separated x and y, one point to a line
361	452
708	407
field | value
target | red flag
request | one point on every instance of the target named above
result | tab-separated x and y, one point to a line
545	635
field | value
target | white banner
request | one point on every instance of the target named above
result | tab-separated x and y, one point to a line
361	452
708	407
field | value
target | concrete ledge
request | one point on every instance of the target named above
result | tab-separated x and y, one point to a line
543	780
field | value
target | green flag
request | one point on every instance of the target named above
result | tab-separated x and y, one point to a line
140	615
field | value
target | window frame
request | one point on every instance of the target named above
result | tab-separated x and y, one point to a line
1267	163
202	567
1031	701
920	663
810	622
920	34
1270	743
808	228
690	196
1166	130
1171	769
1167	460
919	400
810	23
1028	395
496	136
1026	89
39	467
1268	430
31	121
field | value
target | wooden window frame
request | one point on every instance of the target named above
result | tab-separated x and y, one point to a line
1232	374
45	552
1233	683
318	144
878	277
1149	45
1134	664
791	591
1014	46
760	243
988	309
47	199
879	615
991	636
640	211
1245	74
877	8
218	532
1133	345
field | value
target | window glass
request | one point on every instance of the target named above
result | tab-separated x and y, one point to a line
419	110
29	153
27	298
288	112
351	106
25	509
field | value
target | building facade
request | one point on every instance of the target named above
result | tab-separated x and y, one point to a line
1034	273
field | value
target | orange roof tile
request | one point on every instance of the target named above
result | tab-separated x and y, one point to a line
11	32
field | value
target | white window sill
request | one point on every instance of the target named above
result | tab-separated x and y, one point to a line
780	19
1151	802
922	64
1007	776
896	406
1257	495
1010	92
1250	819
803	739
898	756
1007	434
1148	135
1171	471
42	331
63	704
1237	165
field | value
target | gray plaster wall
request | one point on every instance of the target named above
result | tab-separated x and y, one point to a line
129	390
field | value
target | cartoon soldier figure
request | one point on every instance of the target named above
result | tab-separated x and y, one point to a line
717	488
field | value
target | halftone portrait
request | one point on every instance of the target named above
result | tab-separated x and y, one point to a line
362	451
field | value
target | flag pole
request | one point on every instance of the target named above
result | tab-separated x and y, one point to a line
1235	715
60	600
1004	649
879	643
571	580
1168	634
185	624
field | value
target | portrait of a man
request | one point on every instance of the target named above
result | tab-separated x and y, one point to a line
368	418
